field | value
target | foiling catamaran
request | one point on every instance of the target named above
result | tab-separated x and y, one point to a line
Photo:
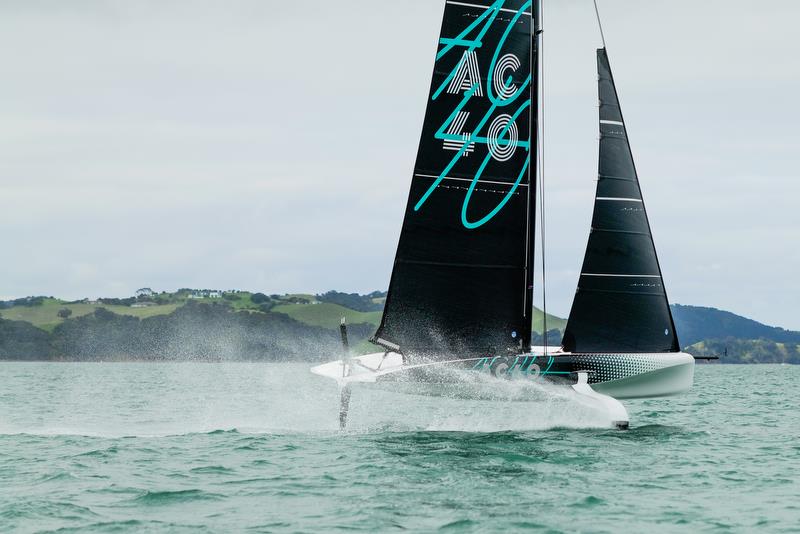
461	291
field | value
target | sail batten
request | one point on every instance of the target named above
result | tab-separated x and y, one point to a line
621	304
453	290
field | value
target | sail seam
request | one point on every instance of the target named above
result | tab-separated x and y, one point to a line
623	275
645	293
620	178
446	264
619	199
478	189
465	4
630	232
509	184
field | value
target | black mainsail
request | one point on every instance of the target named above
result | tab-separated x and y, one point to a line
621	304
462	274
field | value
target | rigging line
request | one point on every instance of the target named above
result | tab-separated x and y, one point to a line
599	24
541	176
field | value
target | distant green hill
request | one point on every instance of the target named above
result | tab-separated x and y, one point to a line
45	316
553	322
696	323
290	325
712	332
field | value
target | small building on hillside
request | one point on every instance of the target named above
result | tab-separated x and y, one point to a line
205	294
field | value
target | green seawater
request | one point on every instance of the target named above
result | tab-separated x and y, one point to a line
197	447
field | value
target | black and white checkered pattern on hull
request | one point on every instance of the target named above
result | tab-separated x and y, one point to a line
608	367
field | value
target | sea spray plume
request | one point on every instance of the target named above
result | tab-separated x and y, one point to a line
459	400
463	399
197	331
20	340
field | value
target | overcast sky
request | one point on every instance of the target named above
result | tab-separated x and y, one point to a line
269	145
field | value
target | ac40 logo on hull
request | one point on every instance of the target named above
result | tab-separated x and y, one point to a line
497	128
501	366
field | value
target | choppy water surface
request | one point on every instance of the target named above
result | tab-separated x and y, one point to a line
255	447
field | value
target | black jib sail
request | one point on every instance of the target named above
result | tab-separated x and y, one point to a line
621	304
460	282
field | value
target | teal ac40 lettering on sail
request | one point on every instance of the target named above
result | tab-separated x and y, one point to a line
498	132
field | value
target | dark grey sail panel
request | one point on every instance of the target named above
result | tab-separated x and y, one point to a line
621	304
458	285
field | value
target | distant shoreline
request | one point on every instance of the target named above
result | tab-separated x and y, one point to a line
213	326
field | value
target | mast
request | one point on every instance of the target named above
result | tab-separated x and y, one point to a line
530	246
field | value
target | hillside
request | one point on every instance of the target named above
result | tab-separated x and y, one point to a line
696	323
327	314
213	324
711	332
45	316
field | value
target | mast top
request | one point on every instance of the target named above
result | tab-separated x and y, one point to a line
599	23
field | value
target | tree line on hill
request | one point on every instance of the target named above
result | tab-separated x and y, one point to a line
354	301
24	301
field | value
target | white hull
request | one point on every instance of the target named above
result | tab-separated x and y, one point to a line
676	376
622	376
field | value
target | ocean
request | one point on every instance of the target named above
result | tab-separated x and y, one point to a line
238	447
